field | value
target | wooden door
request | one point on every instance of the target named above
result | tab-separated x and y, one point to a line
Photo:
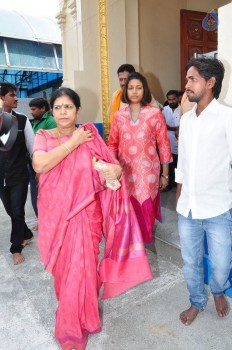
194	38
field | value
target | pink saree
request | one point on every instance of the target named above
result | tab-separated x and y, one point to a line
75	209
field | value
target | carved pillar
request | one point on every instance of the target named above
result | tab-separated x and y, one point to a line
105	98
61	20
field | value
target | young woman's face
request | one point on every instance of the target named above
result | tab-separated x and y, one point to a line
135	91
64	112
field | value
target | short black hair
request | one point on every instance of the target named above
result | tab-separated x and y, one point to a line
146	91
126	68
172	92
65	91
39	102
208	68
5	88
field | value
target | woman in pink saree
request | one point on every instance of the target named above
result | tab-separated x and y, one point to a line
75	208
137	132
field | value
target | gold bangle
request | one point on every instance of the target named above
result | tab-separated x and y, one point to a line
66	147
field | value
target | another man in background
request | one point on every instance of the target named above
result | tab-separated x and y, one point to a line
14	174
43	119
40	111
116	104
171	113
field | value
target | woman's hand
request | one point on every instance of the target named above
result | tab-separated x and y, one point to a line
163	182
112	172
80	136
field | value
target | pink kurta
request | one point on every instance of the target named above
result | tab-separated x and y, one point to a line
75	209
135	145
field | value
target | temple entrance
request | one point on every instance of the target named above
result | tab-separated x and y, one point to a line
194	37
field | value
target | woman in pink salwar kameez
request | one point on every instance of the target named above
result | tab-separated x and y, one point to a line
139	140
75	208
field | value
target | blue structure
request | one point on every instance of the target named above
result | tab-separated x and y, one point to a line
30	52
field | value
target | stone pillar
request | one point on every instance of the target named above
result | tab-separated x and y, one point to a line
98	36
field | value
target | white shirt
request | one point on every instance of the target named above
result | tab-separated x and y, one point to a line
204	162
172	119
29	136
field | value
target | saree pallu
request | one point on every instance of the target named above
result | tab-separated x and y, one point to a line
75	209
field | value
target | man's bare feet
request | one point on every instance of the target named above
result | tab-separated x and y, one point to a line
188	316
27	241
18	258
222	305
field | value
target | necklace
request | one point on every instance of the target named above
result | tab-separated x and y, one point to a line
59	135
134	120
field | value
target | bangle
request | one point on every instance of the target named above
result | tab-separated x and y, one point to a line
165	176
66	147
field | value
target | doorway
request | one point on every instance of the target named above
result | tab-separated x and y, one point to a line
194	38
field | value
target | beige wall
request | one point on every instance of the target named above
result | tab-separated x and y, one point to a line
123	31
205	6
81	57
225	51
88	81
159	23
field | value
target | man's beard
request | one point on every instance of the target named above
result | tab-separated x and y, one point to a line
173	105
194	97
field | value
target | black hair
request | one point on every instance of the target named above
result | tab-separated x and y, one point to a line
39	102
64	91
172	92
5	88
126	68
208	68
146	91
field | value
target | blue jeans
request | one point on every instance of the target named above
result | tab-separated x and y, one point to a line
218	231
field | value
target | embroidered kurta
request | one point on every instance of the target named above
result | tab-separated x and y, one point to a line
140	146
74	210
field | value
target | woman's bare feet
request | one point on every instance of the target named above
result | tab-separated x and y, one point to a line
188	316
222	305
18	258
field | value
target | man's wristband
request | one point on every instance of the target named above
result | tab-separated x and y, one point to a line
165	176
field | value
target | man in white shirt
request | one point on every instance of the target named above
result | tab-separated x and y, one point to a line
171	113
204	187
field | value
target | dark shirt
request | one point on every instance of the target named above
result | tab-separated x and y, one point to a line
13	163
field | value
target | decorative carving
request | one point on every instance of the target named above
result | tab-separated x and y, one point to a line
195	30
61	20
103	21
73	10
212	35
194	49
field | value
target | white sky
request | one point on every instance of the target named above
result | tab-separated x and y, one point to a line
47	8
